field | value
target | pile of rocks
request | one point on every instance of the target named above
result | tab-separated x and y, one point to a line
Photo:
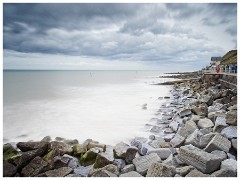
194	134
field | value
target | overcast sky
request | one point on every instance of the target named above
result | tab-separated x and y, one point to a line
167	37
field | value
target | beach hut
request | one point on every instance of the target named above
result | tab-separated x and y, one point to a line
229	62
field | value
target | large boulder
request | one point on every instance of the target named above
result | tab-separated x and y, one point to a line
124	151
61	147
234	143
103	159
73	161
220	123
203	161
231	118
60	161
205	139
81	171
230	164
201	110
221	154
205	123
90	156
93	145
9	169
26	157
183	171
224	173
196	173
163	153
190	127
128	168
9	149
194	138
185	112
207	99
60	172
218	142
230	132
28	146
160	170
142	163
35	167
107	171
79	149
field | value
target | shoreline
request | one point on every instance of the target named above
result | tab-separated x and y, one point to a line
193	123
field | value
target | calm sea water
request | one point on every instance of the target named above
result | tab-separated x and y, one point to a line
103	105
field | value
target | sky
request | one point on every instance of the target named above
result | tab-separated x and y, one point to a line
167	37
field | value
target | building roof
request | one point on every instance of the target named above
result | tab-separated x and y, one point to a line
230	58
216	58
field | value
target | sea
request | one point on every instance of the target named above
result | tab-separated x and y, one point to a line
106	106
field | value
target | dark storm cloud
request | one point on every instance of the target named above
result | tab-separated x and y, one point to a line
146	32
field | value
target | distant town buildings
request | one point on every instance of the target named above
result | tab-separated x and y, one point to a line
227	63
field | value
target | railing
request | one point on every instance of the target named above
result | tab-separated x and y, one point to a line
221	71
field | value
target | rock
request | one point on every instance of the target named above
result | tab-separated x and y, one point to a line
171	161
81	171
203	161
131	174
220	123
185	112
163	153
28	146
144	148
79	149
157	143
229	164
218	142
201	110
234	143
168	131
103	159
194	138
177	175
233	108
143	163
9	170
107	171
60	172
26	157
90	156
128	168
207	99
231	156
73	161
183	171
174	126
59	139
70	142
205	139
61	147
49	157
151	137
164	145
231	118
160	170
74	175
196	173
93	145
230	132
138	141
103	173
205	123
190	127
124	151
224	173
60	161
35	167
9	149
177	141
168	137
46	139
195	118
221	154
120	163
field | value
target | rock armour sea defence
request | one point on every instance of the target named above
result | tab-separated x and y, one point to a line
192	134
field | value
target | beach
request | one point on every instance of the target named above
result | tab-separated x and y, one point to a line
194	134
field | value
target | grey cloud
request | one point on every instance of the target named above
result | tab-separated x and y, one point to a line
146	32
